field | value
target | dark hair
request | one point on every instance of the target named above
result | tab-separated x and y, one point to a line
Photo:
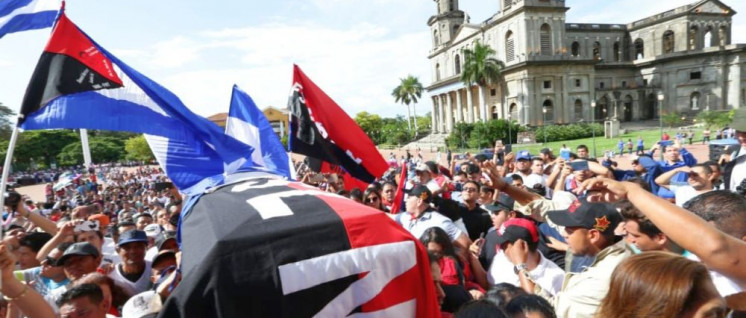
63	246
516	177
343	193
356	193
582	147
539	189
642	183
523	304
125	223
439	236
631	213
706	167
477	184
389	183
713	164
724	208
35	240
377	192
502	293
487	189
480	309
119	295
92	291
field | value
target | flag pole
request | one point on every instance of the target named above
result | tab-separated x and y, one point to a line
6	171
86	148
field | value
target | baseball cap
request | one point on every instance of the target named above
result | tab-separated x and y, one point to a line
432	166
164	237
523	155
421	167
422	192
599	216
78	249
152	230
739	119
497	207
163	254
102	219
143	305
518	229
132	236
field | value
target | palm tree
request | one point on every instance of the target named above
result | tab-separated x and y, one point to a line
481	68
409	91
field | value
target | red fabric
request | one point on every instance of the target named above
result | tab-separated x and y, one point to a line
341	129
368	227
395	207
68	40
449	274
350	181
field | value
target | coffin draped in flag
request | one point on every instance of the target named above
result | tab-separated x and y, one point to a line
78	84
248	124
319	128
285	249
23	15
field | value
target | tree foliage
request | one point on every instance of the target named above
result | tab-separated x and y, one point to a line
480	135
6	126
371	124
715	119
137	148
480	66
103	149
408	92
672	119
43	146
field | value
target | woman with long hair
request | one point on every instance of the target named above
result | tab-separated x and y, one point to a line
457	273
372	198
661	284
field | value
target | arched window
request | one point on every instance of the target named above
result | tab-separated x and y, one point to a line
436	41
437	72
723	35
597	51
451	6
457	64
695	101
627	111
575	48
545	39
509	46
494	112
693	31
639	49
514	111
455	29
548	109
668	42
578	110
708	37
602	109
617	52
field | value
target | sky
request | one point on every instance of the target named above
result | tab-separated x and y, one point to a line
355	50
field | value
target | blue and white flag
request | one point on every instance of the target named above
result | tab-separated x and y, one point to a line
249	125
22	15
78	84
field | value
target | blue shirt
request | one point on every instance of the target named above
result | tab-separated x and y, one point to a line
687	159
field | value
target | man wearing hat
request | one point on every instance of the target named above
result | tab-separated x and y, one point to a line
523	169
421	216
521	263
133	272
79	259
735	170
588	231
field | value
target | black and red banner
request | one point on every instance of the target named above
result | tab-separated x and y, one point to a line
320	129
272	248
70	64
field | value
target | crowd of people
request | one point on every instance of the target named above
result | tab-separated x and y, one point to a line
103	245
539	235
515	235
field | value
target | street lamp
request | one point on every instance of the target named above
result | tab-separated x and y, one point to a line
661	97
593	128
544	123
510	135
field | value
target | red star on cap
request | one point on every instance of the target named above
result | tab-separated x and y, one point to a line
602	224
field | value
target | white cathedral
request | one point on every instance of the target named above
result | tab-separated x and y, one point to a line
554	71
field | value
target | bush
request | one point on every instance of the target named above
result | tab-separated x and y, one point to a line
567	132
480	135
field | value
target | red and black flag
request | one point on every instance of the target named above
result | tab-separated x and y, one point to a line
319	128
350	182
285	249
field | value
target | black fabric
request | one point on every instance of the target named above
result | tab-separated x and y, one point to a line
56	75
305	139
456	296
477	220
231	256
491	245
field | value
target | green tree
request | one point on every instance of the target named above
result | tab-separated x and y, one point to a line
371	124
672	119
716	119
6	127
137	148
102	150
409	91
395	131
43	146
481	68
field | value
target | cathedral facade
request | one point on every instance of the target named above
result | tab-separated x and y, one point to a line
679	61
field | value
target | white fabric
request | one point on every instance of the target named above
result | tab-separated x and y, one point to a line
683	193
547	274
427	220
32	7
724	285
739	170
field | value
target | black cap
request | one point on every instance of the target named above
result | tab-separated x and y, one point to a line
599	216
78	249
132	236
422	192
518	229
506	200
164	237
497	207
432	166
163	254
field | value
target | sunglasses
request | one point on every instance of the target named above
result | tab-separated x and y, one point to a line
371	200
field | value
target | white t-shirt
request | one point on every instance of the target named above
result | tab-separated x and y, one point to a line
109	251
724	285
151	253
739	170
427	220
133	288
547	275
683	193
